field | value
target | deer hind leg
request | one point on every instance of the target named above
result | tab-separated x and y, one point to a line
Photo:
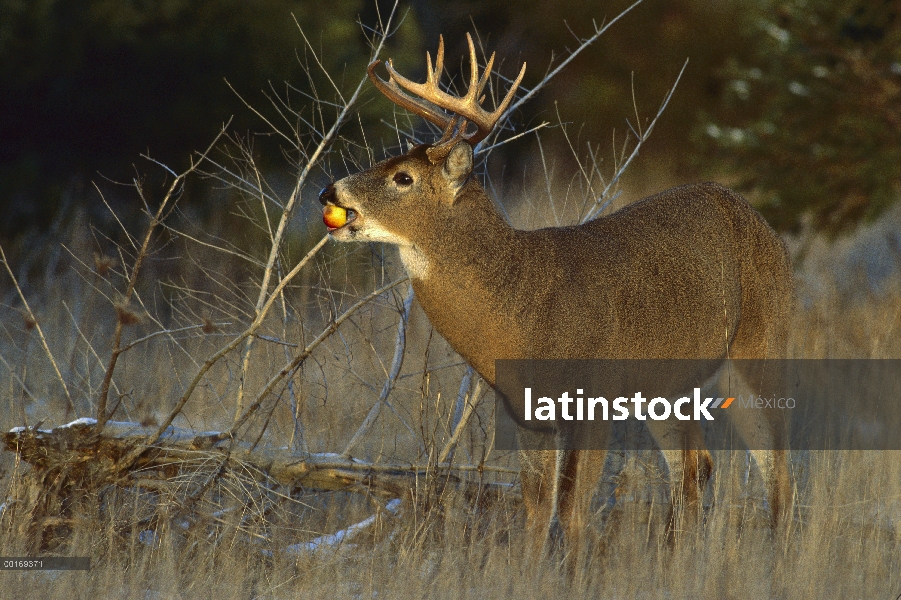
690	466
765	431
773	464
761	339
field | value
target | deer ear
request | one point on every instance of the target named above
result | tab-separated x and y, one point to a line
458	165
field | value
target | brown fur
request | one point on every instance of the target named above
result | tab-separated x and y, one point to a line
692	272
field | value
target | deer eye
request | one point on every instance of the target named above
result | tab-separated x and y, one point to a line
401	178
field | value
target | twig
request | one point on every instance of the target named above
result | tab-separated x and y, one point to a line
155	220
462	394
289	207
643	137
583	44
40	331
464	421
400	345
87	342
298	360
151	439
202	371
150	336
15	375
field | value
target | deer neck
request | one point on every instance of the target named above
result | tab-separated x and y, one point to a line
469	243
465	278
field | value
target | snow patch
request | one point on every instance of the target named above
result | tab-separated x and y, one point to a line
81	421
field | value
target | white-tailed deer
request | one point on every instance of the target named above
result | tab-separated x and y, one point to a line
692	272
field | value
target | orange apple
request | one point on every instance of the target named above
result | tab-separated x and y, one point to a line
334	216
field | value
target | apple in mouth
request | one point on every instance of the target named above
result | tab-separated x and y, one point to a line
336	217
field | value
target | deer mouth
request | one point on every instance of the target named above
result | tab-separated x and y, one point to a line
337	217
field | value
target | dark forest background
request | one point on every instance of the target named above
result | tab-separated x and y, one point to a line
796	103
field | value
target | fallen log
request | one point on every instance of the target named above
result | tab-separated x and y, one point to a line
77	459
83	452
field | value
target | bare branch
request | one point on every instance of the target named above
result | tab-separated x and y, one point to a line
400	346
473	402
287	213
644	136
298	360
237	341
547	78
155	220
37	326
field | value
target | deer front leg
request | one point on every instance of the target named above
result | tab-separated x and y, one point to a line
578	483
689	471
538	477
690	466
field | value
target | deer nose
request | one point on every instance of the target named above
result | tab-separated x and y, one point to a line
327	194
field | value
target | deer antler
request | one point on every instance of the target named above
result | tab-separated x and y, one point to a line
467	109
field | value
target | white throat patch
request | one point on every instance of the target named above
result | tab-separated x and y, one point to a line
415	262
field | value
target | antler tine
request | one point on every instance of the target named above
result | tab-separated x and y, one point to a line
473	90
510	93
452	131
484	120
435	76
487	120
393	92
485	74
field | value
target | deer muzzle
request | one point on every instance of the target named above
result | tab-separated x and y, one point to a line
333	215
327	194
